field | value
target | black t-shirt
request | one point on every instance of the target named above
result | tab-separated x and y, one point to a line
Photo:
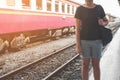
89	18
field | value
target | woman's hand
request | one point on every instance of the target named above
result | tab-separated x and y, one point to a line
79	50
102	22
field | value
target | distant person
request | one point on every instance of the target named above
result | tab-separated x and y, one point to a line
88	40
3	46
19	42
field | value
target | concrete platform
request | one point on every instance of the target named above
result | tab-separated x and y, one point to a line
110	61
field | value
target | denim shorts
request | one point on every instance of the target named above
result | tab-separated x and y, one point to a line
91	48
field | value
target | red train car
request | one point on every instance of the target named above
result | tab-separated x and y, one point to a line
36	18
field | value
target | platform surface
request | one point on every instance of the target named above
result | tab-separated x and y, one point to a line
110	61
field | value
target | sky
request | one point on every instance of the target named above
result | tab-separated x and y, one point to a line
110	6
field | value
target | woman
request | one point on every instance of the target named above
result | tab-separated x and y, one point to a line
89	17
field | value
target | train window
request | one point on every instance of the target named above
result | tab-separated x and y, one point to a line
11	2
72	9
63	8
26	4
49	5
56	6
68	9
39	4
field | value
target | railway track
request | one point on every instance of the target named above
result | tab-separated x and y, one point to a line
67	71
114	28
42	67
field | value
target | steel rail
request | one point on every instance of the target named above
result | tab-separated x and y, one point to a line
60	68
34	62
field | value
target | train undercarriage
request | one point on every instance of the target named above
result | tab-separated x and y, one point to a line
19	40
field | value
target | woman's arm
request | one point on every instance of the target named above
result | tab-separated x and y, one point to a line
77	32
